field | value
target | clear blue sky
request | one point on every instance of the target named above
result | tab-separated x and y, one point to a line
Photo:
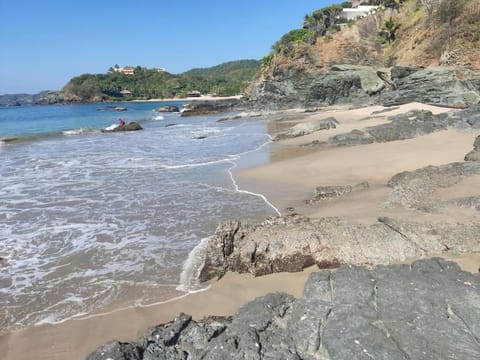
46	42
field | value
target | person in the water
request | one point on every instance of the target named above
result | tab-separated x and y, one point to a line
121	121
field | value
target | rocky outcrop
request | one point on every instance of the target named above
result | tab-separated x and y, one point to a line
410	125
449	86
430	309
291	243
474	155
415	189
307	128
131	126
209	107
352	84
362	85
167	108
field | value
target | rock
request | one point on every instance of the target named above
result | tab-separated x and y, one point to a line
310	127
131	126
331	192
120	109
292	242
450	86
410	125
474	155
415	189
208	107
116	350
444	85
167	108
430	309
354	137
3	262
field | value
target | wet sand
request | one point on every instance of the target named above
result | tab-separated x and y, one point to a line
287	181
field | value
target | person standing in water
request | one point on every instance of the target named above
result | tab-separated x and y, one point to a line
121	121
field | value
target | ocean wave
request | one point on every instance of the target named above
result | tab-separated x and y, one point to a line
158	118
190	276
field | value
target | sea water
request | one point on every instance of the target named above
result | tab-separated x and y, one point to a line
91	222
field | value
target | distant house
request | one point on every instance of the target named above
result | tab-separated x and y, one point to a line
357	12
127	70
126	93
194	94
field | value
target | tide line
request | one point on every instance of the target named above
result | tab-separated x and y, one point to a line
237	188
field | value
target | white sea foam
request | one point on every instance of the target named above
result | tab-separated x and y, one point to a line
189	278
74	132
158	118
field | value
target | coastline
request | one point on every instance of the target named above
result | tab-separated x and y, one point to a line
200	98
291	171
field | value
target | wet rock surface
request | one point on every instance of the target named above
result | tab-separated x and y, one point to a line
427	310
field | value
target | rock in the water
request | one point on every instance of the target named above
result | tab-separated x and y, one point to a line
427	310
310	127
208	107
167	108
120	109
131	126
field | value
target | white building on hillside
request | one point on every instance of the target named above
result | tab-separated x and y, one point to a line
358	12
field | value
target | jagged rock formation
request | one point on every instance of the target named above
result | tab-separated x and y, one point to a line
430	309
474	155
363	85
293	242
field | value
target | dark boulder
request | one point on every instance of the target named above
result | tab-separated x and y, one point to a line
167	108
208	107
427	310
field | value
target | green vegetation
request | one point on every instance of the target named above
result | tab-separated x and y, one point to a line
291	39
388	30
224	80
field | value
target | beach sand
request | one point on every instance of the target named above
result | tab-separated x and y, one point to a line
287	181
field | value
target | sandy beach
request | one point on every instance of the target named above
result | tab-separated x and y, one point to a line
287	181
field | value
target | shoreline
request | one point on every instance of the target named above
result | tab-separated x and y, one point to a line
289	171
200	98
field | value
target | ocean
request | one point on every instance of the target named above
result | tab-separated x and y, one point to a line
92	222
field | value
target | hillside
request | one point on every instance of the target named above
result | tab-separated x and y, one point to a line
224	80
410	32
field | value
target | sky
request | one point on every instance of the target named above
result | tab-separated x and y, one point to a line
44	43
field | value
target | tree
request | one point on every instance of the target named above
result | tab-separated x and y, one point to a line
388	30
449	10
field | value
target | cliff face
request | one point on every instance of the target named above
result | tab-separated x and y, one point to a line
308	73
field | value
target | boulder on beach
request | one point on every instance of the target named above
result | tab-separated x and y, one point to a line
167	108
474	155
309	127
